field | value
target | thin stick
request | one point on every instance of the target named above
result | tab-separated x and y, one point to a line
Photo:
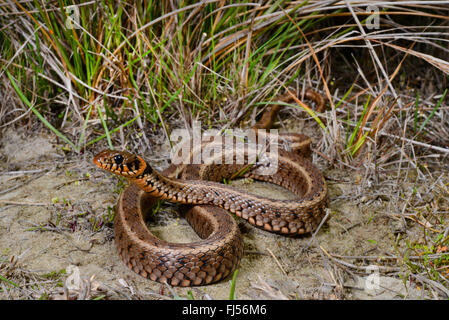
22	203
362	268
277	261
22	172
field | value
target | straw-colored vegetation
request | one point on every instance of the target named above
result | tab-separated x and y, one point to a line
126	74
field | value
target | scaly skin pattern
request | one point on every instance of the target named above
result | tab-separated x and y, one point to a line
215	257
205	205
191	264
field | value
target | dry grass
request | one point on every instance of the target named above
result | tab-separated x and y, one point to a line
130	73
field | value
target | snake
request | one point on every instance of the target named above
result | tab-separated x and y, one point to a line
205	203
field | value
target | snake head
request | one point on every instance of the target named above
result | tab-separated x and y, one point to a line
120	162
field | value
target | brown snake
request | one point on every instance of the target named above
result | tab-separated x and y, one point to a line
218	253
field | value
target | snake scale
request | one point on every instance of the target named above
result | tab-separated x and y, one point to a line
205	205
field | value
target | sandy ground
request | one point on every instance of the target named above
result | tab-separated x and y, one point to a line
56	237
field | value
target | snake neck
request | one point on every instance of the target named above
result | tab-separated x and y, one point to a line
177	190
155	183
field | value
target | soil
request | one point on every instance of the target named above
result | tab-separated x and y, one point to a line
56	236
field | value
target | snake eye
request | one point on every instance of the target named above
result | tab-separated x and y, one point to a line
118	159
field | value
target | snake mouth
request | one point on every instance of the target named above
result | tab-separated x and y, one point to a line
120	162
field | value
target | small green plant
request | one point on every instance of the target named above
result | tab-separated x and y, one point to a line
121	185
44	296
433	258
54	275
109	217
232	294
96	223
434	110
157	206
8	281
190	295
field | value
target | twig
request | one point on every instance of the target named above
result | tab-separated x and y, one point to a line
435	284
363	268
277	261
22	172
19	185
22	203
318	229
59	186
402	216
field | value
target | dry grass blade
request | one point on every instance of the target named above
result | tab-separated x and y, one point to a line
442	65
85	76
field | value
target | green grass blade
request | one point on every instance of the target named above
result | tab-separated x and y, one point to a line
233	283
359	143
106	130
344	97
41	118
9	281
435	109
356	129
127	123
83	130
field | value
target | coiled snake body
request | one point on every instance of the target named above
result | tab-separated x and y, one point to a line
197	186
